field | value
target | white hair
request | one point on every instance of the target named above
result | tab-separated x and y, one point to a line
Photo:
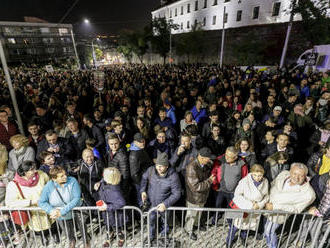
300	166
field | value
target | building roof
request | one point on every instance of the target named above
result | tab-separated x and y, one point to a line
32	24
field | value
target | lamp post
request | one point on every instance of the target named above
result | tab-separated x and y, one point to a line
93	52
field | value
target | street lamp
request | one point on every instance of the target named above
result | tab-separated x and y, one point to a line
93	52
86	21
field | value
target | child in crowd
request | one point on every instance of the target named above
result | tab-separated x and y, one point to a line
47	160
110	201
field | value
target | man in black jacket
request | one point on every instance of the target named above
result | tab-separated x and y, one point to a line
94	132
139	162
60	147
77	136
281	145
117	157
161	185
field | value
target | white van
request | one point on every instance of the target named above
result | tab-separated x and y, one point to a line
316	59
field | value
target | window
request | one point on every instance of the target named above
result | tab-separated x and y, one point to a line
181	10
255	14
170	13
204	21
11	41
196	5
276	9
50	50
239	15
181	25
45	30
63	31
176	12
188	8
205	4
47	40
214	20
226	1
215	2
196	22
188	24
226	18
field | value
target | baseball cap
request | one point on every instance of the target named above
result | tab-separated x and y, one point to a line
206	152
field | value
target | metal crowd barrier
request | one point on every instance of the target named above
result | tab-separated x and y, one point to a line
89	226
214	228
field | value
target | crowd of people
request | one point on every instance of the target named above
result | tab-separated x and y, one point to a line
161	136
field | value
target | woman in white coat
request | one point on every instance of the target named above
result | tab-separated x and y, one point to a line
252	193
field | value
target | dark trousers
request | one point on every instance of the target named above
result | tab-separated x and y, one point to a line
221	196
161	222
231	234
68	227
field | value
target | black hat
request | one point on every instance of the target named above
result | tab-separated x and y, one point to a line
138	137
206	152
162	159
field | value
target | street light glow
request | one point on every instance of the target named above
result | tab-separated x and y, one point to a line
86	21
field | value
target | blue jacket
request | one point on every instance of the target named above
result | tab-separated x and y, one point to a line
170	113
167	122
70	193
199	116
113	198
159	189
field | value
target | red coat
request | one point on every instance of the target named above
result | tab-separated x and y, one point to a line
216	171
5	135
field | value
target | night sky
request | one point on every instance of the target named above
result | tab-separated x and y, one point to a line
106	17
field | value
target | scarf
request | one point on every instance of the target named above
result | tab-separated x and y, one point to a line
20	151
27	183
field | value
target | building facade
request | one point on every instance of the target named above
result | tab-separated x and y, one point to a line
36	42
213	14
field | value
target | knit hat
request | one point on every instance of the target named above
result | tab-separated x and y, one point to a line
162	159
138	137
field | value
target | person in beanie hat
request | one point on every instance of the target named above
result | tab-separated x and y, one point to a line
161	186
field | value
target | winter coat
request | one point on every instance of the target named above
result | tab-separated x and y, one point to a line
78	143
217	146
113	198
65	153
154	147
70	192
166	189
217	171
249	158
270	149
87	179
139	162
319	184
96	133
120	161
245	194
314	163
5	135
39	220
200	116
180	162
293	200
198	183
15	161
273	168
170	113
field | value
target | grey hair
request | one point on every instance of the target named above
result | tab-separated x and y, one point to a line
300	166
232	149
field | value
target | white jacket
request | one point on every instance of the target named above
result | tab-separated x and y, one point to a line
293	200
245	194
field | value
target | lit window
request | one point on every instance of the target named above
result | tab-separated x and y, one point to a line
11	40
44	30
63	31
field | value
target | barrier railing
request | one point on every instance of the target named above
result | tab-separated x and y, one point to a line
176	227
234	228
87	227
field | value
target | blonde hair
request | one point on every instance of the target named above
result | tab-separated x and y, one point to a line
257	168
111	175
19	138
3	159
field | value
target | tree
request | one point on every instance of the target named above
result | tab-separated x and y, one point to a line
191	43
316	23
126	51
98	54
138	42
160	39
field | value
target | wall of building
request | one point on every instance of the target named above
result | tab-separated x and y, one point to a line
209	14
36	42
